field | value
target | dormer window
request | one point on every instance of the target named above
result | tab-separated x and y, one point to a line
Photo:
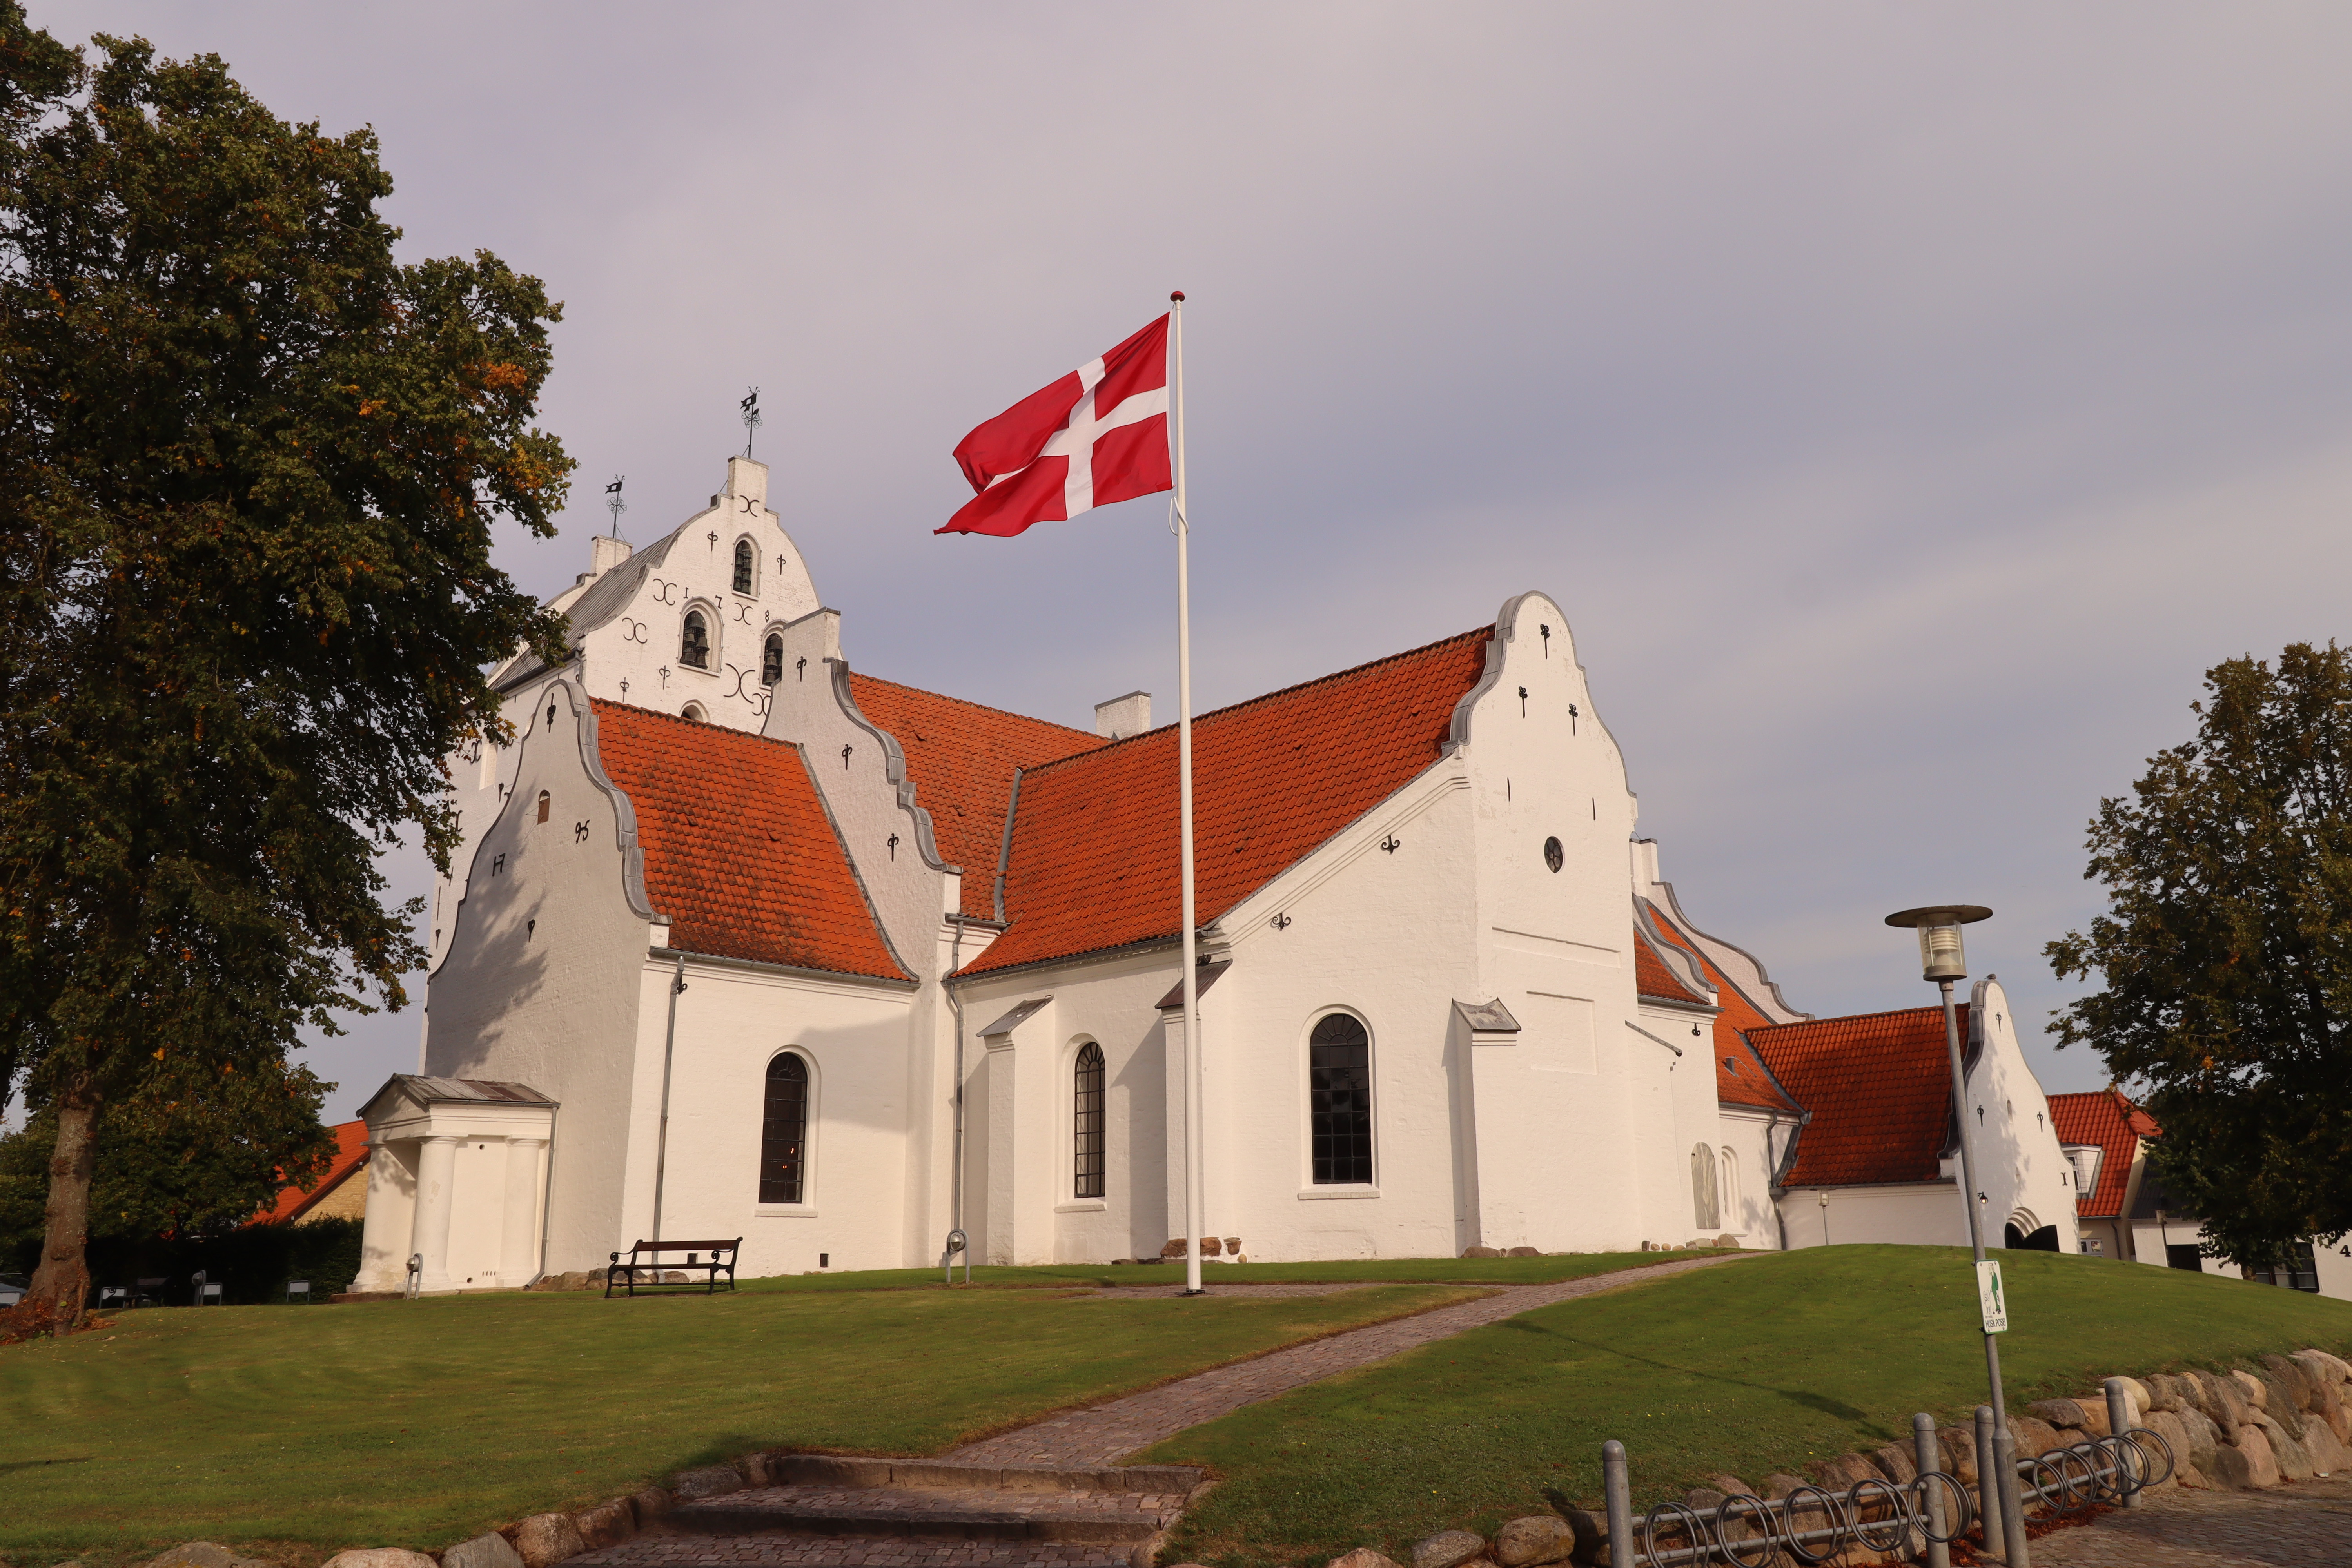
772	661
743	560
693	645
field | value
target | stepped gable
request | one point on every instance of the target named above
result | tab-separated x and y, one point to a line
739	852
962	757
2107	1118
1094	837
1880	1086
1740	1075
1655	981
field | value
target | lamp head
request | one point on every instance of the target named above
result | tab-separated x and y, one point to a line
1941	956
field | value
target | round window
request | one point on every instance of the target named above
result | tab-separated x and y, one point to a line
1553	854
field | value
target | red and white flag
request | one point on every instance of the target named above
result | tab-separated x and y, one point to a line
1097	435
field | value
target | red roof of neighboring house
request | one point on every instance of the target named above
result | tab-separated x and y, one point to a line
293	1203
739	852
1094	847
2103	1117
962	757
1880	1089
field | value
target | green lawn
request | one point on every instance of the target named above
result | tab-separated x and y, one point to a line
295	1430
1752	1367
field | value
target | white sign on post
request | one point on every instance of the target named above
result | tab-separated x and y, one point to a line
1990	1300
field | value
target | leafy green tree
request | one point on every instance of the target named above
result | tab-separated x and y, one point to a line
179	1159
2226	953
248	467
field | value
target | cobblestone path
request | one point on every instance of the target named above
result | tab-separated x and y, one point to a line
2307	1524
1102	1434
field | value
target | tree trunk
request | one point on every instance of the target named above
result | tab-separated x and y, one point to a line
61	1286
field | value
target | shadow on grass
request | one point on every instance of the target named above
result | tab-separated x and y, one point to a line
1837	1408
41	1464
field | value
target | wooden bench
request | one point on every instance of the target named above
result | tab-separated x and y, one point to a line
645	1259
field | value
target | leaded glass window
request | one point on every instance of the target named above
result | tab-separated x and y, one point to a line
743	565
693	645
1088	1137
783	1130
772	661
1339	1101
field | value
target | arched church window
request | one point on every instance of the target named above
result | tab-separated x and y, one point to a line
692	712
743	565
1088	1144
1706	1213
693	645
783	1132
772	660
542	806
1339	1101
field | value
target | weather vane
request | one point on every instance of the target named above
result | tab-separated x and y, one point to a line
751	417
614	503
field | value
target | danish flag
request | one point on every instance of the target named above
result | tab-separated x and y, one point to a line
1097	435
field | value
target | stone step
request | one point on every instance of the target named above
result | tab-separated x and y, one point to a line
838	1473
963	1513
849	1551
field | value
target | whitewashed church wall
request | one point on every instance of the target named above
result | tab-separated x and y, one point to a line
1925	1214
1753	1141
540	984
1688	1082
2019	1167
1598	1145
634	656
1031	1213
732	1022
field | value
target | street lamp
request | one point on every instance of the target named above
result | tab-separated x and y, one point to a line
1943	959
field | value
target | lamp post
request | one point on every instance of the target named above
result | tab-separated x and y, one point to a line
1943	961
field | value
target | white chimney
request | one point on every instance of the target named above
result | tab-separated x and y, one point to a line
1123	716
1645	864
604	552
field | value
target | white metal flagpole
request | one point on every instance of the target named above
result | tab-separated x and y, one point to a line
1194	1193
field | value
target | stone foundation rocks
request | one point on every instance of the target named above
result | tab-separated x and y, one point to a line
491	1551
203	1554
546	1539
1538	1538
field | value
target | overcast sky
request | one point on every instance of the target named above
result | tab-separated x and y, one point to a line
1907	403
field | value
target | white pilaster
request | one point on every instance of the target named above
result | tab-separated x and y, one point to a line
519	1232
437	1181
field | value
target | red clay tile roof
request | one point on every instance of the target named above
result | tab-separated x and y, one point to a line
1880	1088
962	757
1652	978
293	1203
1740	1077
2106	1118
740	853
1093	860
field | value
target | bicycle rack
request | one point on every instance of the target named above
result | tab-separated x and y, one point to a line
1813	1523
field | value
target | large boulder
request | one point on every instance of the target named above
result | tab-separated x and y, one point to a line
2034	1437
2332	1370
2280	1406
1840	1472
1777	1486
2254	1446
2327	1409
2222	1401
2329	1453
2064	1414
1960	1445
1448	1549
2294	1461
2250	1386
609	1525
1482	1252
2285	1372
1523	1252
1537	1539
491	1551
2168	1425
1729	1486
379	1557
1897	1463
1361	1557
652	1503
546	1539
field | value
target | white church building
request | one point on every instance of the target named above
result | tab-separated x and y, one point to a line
742	942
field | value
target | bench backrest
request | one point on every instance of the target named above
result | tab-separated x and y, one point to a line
687	1246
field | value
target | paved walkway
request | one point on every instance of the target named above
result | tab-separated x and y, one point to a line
2307	1524
1103	1434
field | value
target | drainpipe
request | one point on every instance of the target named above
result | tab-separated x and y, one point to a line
661	1139
955	1200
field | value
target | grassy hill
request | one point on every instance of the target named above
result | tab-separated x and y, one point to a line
1752	1368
